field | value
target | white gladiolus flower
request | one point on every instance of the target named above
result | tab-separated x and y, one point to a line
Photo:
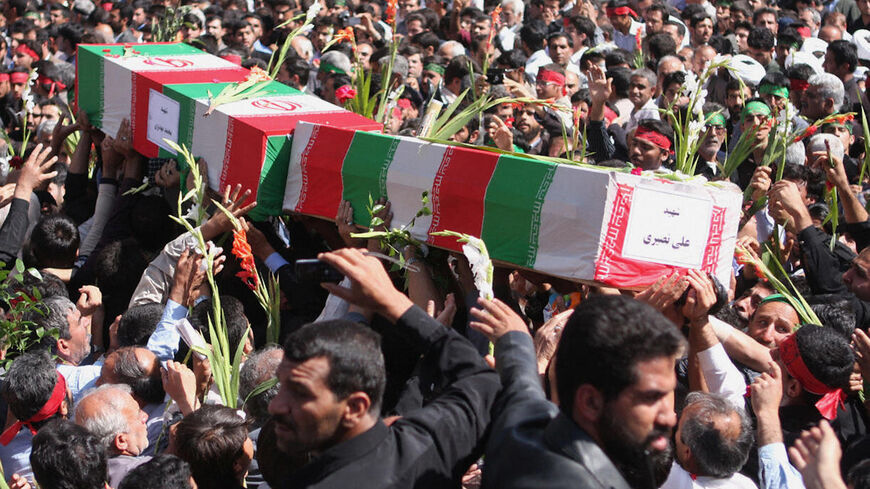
481	266
691	85
312	12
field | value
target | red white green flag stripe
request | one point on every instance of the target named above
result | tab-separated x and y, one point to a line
552	218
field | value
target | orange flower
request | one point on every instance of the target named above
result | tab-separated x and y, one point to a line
807	133
345	34
242	251
495	15
391	11
637	40
843	118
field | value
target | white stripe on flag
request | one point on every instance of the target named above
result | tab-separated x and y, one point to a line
117	96
209	141
415	164
572	218
301	136
283	105
173	62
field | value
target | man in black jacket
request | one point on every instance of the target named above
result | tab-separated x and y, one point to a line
615	379
332	382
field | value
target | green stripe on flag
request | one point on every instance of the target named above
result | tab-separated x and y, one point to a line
364	171
273	178
91	85
173	49
512	208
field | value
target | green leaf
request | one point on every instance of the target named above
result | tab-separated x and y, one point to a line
19	266
261	388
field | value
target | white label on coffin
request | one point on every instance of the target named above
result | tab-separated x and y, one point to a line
276	106
163	115
667	228
175	62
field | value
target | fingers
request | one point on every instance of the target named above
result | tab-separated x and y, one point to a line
430	308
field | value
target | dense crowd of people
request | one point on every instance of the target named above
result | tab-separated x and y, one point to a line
404	376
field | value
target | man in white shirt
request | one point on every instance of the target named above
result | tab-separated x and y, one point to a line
626	30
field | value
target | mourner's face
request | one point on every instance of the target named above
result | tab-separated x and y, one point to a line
307	413
772	323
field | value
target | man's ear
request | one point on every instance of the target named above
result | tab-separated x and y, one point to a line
121	442
356	408
63	347
793	388
588	403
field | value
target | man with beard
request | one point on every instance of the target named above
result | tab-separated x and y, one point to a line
615	379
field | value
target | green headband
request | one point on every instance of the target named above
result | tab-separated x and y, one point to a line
837	124
434	68
755	108
330	68
771	89
716	119
786	300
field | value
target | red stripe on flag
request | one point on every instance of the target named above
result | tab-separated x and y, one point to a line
243	157
141	89
458	194
145	81
321	162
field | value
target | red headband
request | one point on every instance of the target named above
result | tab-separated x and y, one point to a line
50	85
4	77
19	77
804	32
797	84
654	137
24	49
552	77
48	410
404	103
794	364
625	10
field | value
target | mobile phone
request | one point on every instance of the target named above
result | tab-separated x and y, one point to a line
316	271
352	21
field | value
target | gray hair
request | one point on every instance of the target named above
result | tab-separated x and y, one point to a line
817	17
829	87
665	59
716	455
817	145
51	316
646	73
517	6
455	47
795	153
262	364
108	419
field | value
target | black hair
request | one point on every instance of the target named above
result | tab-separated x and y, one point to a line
234	313
67	456
117	268
127	370
617	57
211	439
533	34
513	59
764	10
834	312
54	242
858	477
138	323
761	38
677	77
603	341
584	25
426	39
775	78
171	471
789	37
800	71
826	353
621	80
299	67
721	44
844	53
660	45
353	351
29	384
698	18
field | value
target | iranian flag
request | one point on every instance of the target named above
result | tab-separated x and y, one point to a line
247	142
116	81
569	221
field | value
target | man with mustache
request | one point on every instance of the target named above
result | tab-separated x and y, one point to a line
615	379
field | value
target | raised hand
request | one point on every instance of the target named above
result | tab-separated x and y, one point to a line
494	319
35	172
234	201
